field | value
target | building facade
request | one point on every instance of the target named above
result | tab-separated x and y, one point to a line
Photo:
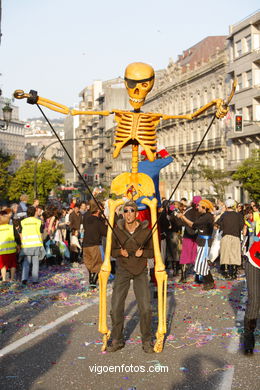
12	140
95	152
39	139
196	78
71	143
201	74
244	65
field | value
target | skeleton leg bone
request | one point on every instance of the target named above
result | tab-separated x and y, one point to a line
104	275
161	278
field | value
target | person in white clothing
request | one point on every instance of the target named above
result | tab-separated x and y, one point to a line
74	246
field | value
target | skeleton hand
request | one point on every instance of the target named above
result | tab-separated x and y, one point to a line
222	109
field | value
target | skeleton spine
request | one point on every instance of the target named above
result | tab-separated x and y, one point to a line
135	159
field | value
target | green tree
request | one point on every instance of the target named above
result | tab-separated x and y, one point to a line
5	175
220	179
49	175
248	174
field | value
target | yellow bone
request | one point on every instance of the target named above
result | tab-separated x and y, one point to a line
137	184
161	277
104	275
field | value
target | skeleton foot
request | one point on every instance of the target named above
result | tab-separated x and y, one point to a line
105	339
158	347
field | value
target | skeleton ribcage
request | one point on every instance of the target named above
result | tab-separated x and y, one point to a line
134	127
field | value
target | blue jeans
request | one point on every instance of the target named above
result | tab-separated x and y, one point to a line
34	260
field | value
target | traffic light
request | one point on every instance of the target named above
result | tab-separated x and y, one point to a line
238	123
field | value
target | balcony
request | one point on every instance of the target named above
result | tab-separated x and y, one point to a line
95	133
107	146
95	119
232	165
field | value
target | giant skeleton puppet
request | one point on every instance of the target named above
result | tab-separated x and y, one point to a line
134	128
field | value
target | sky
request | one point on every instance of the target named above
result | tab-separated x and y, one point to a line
58	47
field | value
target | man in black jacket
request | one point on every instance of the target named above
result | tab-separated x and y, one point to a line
131	264
94	229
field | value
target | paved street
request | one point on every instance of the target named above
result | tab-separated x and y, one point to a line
49	339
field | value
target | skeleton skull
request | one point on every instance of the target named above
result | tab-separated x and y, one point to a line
139	80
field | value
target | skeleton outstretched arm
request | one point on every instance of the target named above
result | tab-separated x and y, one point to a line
222	110
221	105
33	98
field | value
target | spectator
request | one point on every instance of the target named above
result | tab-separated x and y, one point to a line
252	268
189	241
36	203
83	207
75	247
14	208
9	246
22	207
184	201
205	226
94	229
75	218
73	203
231	224
32	246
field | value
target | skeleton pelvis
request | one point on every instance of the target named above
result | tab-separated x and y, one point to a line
133	185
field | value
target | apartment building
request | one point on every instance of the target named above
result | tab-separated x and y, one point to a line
196	78
95	153
12	140
244	64
40	139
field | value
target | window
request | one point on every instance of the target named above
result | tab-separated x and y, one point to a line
256	41
213	92
238	48
248	43
195	104
239	82
249	81
249	113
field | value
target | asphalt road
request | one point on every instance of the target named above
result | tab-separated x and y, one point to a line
49	344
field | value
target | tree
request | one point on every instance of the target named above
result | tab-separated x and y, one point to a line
49	175
220	179
5	175
248	174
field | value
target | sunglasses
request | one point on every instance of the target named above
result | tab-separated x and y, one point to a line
129	210
132	83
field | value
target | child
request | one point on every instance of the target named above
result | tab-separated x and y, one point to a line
74	246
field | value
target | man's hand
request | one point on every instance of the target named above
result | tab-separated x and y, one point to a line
139	252
179	215
124	252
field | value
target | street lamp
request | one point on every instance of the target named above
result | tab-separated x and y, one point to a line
7	116
194	173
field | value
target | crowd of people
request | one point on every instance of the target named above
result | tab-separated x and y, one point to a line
52	234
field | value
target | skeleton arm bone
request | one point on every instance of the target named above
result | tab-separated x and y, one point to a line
222	110
222	107
33	98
